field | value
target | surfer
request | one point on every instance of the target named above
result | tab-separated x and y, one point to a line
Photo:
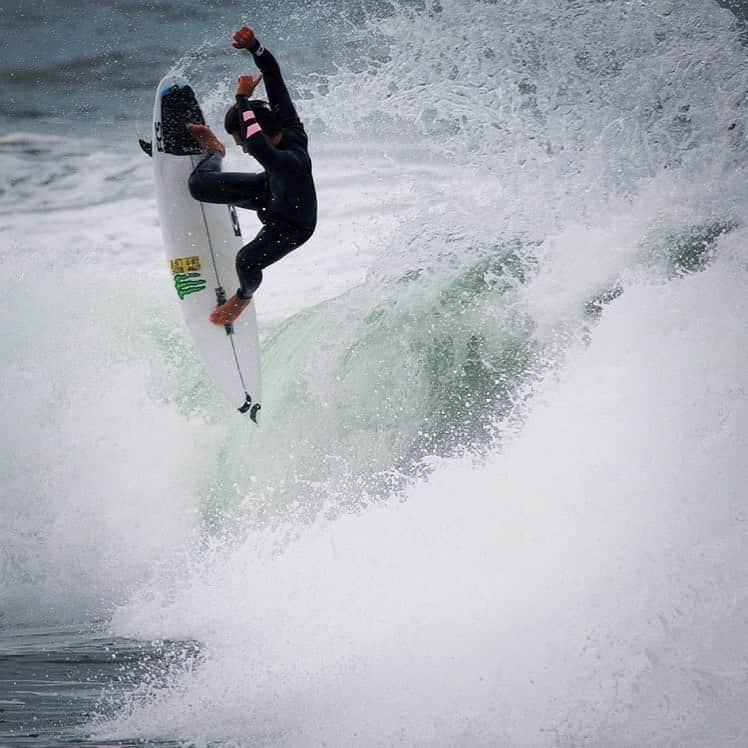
283	195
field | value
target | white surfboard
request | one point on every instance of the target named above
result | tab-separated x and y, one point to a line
201	243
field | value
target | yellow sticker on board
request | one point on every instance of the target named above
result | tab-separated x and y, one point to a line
185	265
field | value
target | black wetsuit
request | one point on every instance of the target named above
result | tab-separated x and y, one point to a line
283	195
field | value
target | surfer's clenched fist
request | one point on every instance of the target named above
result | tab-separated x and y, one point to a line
207	139
244	38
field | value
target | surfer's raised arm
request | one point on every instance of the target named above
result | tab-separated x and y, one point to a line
280	100
261	133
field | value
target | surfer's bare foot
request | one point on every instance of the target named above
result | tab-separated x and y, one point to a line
227	313
206	138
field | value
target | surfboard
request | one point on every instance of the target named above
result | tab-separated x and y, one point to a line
201	242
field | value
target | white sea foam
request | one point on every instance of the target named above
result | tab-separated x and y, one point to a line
582	587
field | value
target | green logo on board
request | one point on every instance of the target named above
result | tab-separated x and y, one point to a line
187	283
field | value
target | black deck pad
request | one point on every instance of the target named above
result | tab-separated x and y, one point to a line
178	108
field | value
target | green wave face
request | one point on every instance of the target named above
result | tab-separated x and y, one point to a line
434	361
426	363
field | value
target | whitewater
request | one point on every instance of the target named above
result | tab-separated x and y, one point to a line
499	493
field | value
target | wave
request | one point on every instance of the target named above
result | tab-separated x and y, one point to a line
570	580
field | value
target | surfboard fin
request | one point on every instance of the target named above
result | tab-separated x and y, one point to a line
146	146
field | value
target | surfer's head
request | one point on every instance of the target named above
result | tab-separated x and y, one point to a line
265	116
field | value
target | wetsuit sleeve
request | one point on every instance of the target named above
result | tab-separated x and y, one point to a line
280	100
273	160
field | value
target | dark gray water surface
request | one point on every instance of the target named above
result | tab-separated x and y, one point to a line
52	680
83	66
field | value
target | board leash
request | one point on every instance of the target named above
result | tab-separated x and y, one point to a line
221	292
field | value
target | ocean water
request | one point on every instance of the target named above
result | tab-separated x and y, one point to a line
499	494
